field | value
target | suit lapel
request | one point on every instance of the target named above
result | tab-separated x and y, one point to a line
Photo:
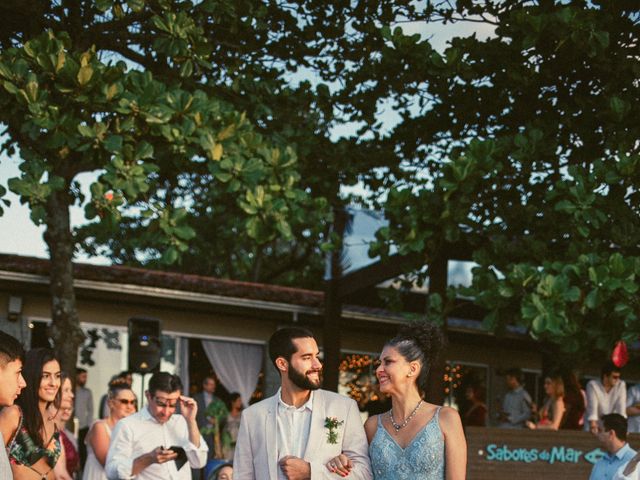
271	429
316	431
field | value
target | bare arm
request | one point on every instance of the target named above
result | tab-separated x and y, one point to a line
60	469
9	420
98	438
558	413
370	427
455	444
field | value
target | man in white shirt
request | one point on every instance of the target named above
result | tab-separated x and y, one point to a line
292	435
156	443
11	384
605	396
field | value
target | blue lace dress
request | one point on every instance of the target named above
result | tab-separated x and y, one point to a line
422	459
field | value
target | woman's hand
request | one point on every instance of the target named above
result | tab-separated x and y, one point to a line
530	425
340	465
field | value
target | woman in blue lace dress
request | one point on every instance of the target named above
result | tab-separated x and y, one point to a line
415	440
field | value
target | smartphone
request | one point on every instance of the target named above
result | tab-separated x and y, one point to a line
181	459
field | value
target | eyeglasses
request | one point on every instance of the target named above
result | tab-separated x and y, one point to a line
125	401
163	404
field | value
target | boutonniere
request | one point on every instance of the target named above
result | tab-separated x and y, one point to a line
332	424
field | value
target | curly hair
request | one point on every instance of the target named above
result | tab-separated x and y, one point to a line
422	342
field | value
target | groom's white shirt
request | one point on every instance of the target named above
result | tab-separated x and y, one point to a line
256	454
294	425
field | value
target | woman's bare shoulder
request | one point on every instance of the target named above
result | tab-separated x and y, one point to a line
370	426
449	415
10	414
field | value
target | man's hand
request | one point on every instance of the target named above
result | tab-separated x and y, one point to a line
188	408
593	426
295	468
162	455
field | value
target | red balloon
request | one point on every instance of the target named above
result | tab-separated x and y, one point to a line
620	356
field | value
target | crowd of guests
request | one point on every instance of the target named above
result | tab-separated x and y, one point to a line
37	403
566	405
605	408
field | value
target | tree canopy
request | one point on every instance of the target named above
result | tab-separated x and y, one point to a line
212	125
523	146
118	88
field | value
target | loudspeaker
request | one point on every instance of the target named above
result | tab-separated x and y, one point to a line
144	345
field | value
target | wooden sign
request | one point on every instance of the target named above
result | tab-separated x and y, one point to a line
497	453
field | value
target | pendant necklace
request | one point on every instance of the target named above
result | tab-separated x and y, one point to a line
398	426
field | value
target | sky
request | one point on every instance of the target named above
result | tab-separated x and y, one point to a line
20	235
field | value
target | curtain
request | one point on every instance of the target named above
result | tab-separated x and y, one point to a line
236	364
182	368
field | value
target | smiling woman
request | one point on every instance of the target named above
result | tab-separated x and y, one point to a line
32	438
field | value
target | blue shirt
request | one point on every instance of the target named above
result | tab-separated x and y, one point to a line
606	467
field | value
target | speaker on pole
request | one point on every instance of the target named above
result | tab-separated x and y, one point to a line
144	345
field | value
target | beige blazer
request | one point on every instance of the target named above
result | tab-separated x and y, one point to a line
255	454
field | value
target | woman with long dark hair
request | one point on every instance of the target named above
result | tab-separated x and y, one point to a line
415	440
30	433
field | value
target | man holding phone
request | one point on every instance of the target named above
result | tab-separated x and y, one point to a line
155	443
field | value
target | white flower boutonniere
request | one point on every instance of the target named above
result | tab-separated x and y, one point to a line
332	424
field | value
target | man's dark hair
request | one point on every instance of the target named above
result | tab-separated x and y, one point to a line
80	370
10	349
164	382
281	342
608	368
207	377
515	373
617	423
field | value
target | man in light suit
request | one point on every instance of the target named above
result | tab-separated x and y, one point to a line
292	435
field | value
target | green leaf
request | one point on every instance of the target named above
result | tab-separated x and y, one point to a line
144	150
103	5
592	301
136	5
186	70
113	143
170	256
184	232
84	75
86	131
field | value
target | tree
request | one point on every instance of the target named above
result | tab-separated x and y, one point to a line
72	104
282	63
524	148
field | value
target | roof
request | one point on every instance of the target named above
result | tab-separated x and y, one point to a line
169	280
234	290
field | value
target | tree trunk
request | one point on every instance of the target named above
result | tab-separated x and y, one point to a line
331	336
438	284
65	326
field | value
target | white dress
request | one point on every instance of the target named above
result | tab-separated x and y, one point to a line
93	470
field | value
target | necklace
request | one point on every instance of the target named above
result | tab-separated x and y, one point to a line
398	426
